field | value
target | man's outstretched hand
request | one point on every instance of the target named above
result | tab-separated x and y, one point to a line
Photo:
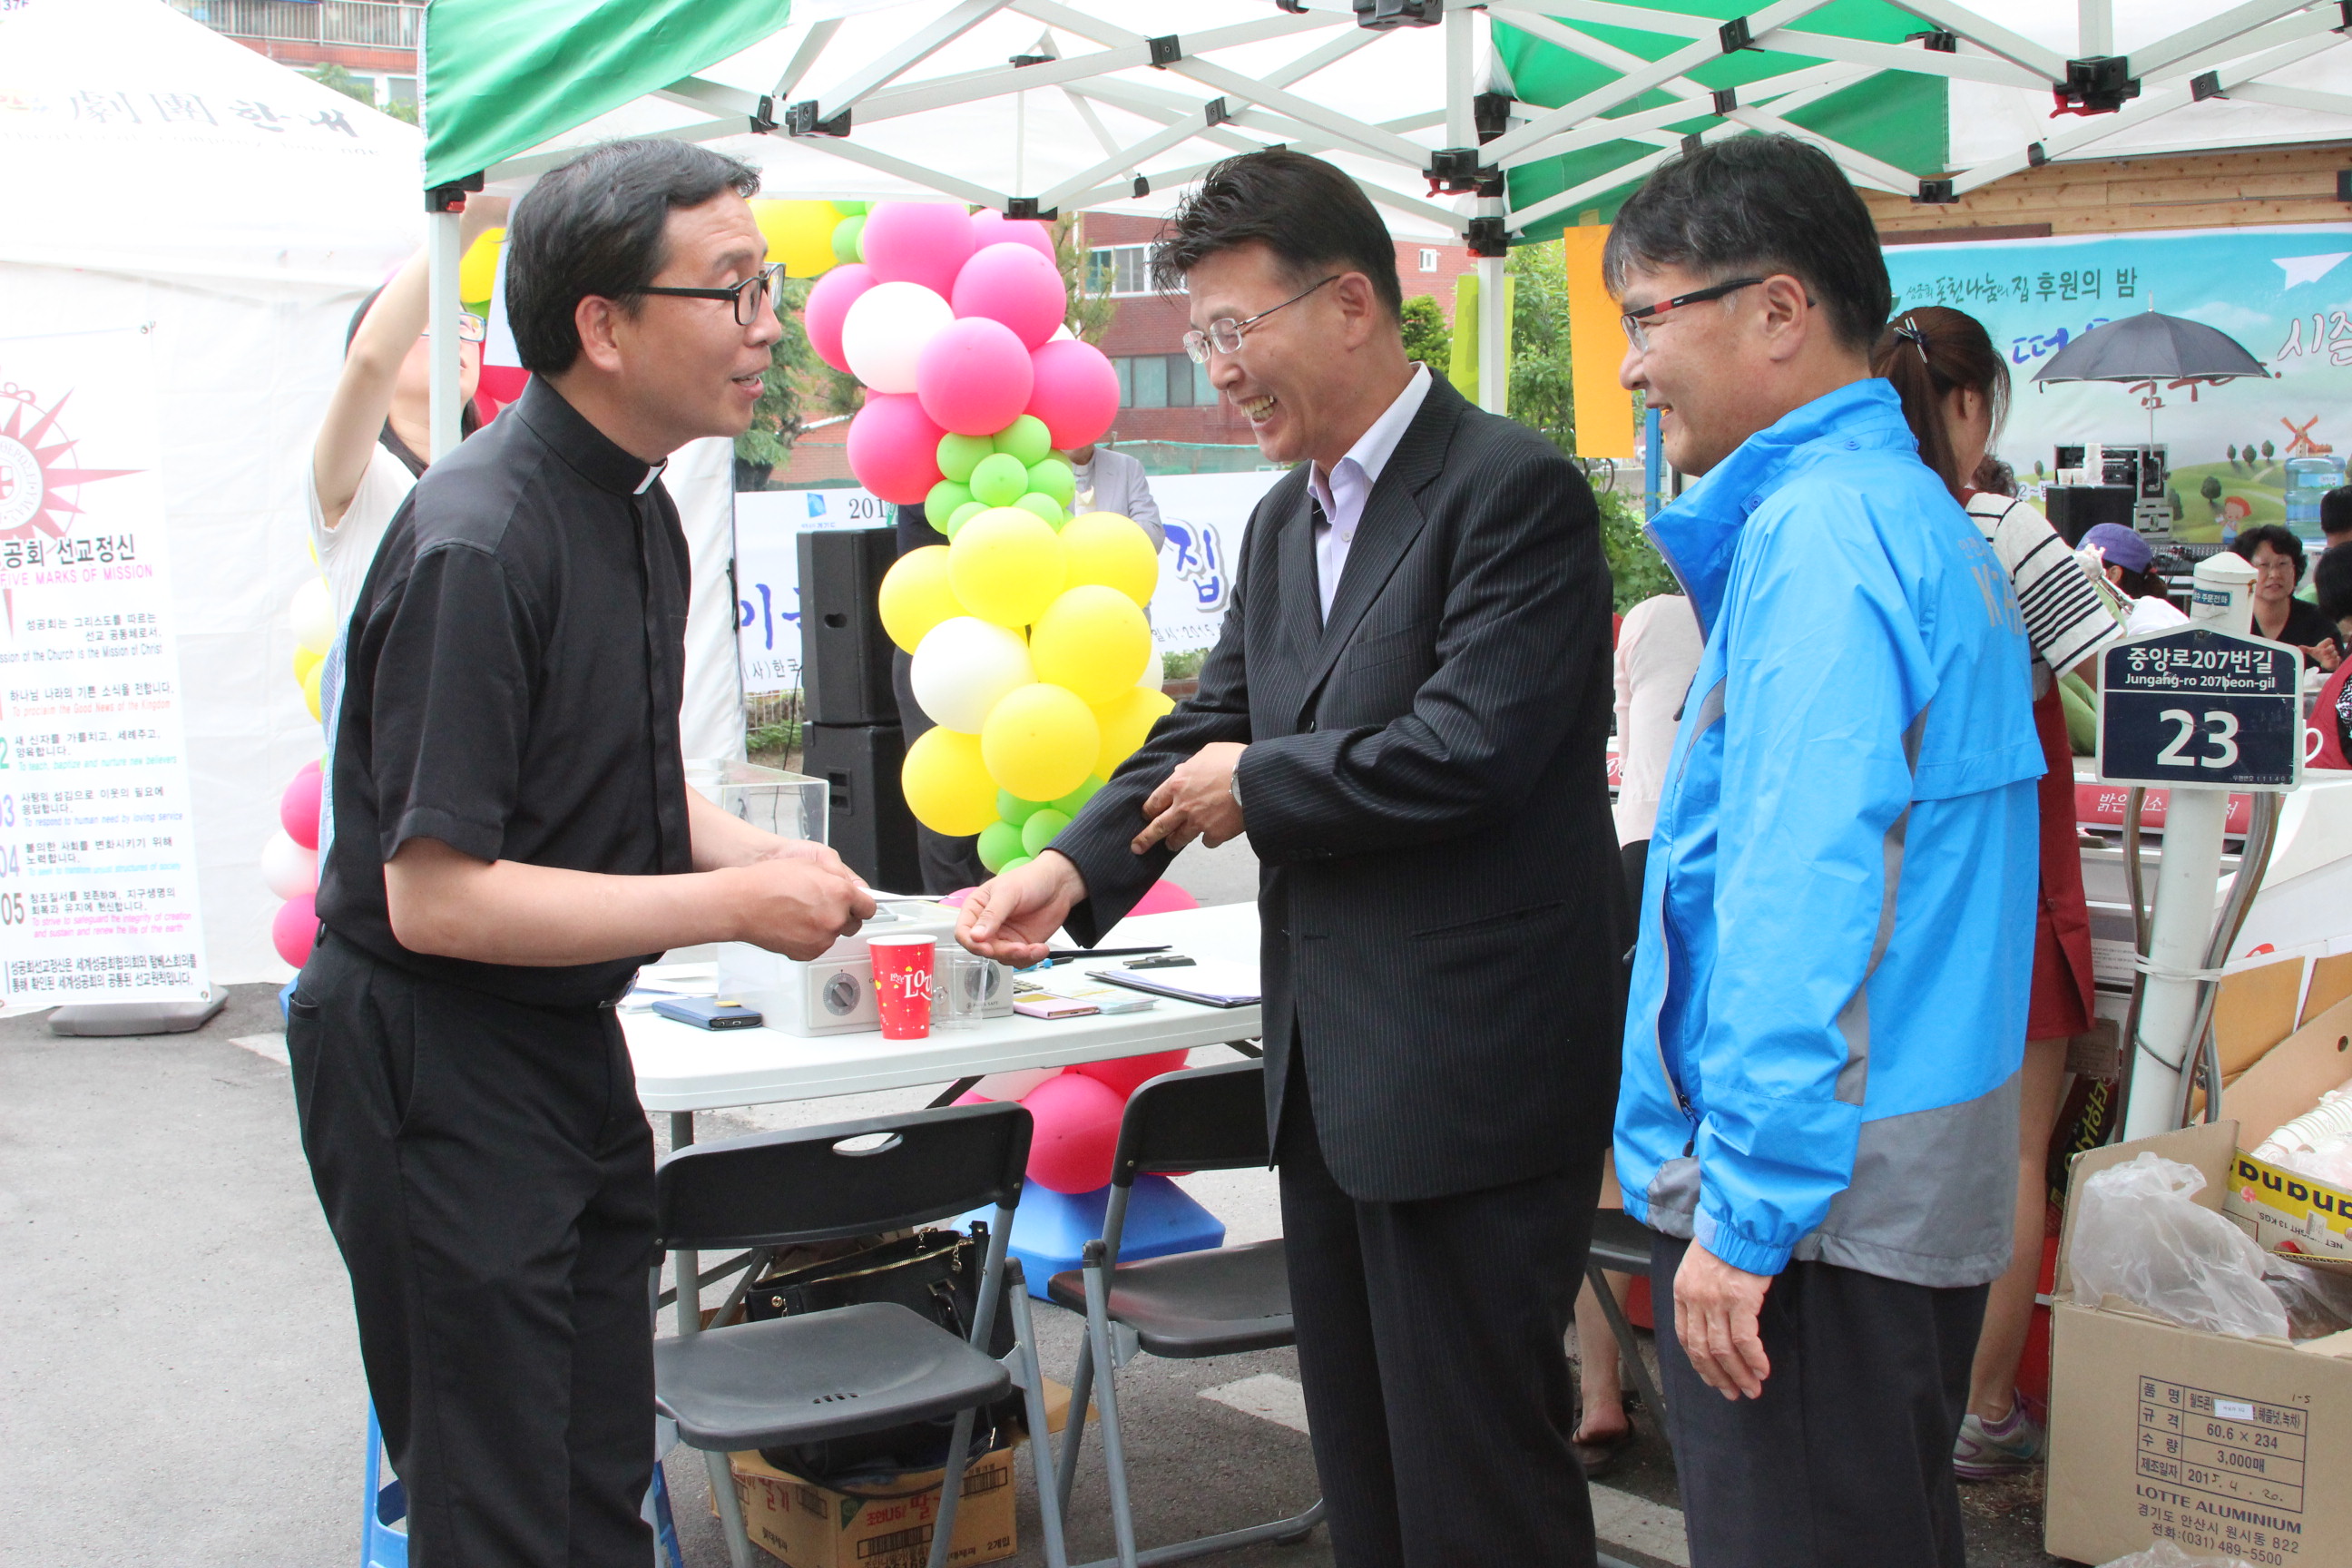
1009	917
1716	1307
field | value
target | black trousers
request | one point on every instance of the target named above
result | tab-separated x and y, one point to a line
1439	1398
1845	1460
488	1173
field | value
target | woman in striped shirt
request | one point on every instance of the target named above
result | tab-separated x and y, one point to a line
1955	390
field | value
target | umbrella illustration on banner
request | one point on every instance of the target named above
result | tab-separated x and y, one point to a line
2149	351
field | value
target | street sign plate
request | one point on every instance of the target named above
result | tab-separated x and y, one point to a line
2193	707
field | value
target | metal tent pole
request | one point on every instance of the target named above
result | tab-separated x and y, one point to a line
441	236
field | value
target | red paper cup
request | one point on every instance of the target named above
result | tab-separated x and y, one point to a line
902	985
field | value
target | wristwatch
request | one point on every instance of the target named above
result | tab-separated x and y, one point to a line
1234	787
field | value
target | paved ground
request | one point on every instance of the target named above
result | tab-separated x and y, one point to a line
179	1382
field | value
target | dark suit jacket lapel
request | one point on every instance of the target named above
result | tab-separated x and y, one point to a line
1302	607
1393	519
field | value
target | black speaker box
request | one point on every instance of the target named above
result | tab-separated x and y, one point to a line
844	652
867	822
2075	510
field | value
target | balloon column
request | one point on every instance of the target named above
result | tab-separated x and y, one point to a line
1031	650
290	860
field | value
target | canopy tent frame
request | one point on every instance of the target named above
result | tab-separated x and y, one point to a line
1489	130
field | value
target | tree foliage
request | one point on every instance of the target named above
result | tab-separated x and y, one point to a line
793	366
328	74
1427	336
1090	314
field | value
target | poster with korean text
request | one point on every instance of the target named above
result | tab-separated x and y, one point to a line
2247	451
98	890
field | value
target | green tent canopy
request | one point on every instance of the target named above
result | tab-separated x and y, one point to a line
1899	118
502	77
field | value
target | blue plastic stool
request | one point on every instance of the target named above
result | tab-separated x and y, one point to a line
385	1505
1051	1229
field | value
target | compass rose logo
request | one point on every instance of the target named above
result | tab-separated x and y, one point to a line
39	483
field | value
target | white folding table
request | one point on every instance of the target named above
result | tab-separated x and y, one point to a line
682	1069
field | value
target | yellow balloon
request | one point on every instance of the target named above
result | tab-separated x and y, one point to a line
1007	565
1040	742
310	694
915	595
1125	721
478	270
305	661
946	784
1113	550
800	234
1092	639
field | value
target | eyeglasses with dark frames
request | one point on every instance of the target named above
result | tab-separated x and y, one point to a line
1225	334
750	296
1636	322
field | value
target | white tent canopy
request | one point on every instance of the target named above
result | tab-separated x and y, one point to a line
1039	105
165	177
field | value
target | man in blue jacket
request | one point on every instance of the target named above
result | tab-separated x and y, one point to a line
1819	1110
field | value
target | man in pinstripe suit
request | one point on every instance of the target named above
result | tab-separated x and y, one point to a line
1407	712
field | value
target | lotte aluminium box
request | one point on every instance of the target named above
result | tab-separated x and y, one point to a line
2226	1447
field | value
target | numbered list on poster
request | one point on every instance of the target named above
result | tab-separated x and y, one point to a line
97	882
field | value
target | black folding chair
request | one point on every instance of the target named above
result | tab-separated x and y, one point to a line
1622	1243
808	1377
1221	1301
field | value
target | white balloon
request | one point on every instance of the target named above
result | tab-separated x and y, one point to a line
288	869
886	330
313	614
1013	1085
964	667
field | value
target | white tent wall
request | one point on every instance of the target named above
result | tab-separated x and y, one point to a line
143	196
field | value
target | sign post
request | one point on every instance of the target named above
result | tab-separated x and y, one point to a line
2199	710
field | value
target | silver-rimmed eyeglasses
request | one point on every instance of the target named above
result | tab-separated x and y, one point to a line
1225	334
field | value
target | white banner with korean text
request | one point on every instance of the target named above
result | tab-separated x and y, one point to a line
97	883
1204	515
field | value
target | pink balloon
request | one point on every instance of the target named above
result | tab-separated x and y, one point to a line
828	302
1128	1074
1162	897
1077	1133
894	447
1014	285
989	226
917	242
1076	392
298	808
973	378
296	926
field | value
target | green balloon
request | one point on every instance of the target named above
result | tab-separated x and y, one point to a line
1053	512
1027	440
1053	478
999	480
942	504
850	209
1039	830
1011	808
1015	864
963	515
1072	803
999	842
849	239
959	455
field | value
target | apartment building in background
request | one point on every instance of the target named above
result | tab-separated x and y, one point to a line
1163	395
376	40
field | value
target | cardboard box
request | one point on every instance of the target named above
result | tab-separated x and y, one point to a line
2225	1447
806	1525
2289	1212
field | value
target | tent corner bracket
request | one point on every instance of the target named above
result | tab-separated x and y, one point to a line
451	198
801	120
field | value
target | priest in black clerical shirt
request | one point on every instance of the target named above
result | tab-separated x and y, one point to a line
513	837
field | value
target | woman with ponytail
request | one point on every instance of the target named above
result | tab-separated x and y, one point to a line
1955	389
